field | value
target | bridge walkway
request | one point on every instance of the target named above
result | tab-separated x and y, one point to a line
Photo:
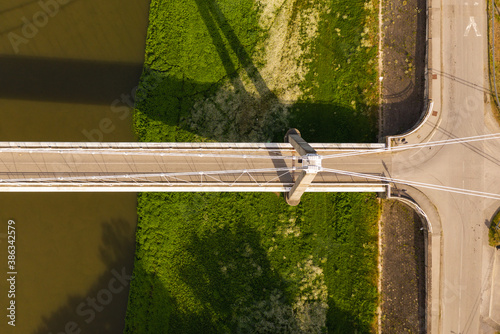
133	167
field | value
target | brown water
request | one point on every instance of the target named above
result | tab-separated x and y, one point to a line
68	77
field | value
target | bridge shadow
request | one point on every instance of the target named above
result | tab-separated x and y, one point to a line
196	107
219	28
64	80
101	309
461	81
189	106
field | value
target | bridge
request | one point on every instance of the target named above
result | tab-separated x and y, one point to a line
135	167
446	168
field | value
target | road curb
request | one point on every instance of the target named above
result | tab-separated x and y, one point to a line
433	250
494	309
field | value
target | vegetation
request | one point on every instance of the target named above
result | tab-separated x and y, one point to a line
217	263
494	54
494	233
248	263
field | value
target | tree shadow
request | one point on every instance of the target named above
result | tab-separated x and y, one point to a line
230	275
150	304
102	308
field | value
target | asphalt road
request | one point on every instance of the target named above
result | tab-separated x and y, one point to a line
458	57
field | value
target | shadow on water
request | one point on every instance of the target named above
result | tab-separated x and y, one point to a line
102	308
63	80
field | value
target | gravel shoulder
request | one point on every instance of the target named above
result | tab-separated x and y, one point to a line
403	274
402	255
403	44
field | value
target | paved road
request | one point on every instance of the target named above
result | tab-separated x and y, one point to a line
458	55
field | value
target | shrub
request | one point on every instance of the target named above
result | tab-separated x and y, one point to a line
494	234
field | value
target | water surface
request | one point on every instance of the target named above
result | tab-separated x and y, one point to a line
69	78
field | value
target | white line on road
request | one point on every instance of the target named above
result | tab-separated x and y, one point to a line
472	24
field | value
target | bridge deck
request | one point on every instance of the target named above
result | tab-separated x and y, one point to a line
181	167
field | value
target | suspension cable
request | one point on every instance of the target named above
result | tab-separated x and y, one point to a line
418	184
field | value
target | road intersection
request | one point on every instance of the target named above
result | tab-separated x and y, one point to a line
460	260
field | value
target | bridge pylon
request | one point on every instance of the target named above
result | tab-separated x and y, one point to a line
311	165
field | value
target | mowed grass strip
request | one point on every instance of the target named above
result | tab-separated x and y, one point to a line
249	263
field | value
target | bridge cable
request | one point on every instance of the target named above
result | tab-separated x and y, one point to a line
417	184
463	140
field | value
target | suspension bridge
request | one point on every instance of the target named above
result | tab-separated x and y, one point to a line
216	167
446	168
134	167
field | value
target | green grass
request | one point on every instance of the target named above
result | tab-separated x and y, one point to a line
249	263
494	232
342	92
205	261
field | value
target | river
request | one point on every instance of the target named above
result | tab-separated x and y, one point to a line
67	73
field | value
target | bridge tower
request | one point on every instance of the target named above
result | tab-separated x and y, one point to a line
311	165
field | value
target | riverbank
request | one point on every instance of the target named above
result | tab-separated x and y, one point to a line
248	71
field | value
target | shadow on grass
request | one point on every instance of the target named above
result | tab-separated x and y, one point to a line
102	308
174	109
226	273
224	110
231	278
214	275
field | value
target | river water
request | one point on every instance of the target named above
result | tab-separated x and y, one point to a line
67	70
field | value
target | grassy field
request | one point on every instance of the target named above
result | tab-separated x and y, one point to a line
248	263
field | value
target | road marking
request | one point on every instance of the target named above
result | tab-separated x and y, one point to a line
472	24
